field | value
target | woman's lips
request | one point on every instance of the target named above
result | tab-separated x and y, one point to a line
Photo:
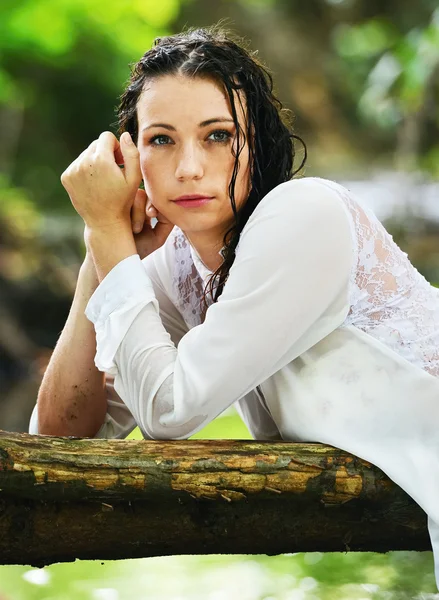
193	203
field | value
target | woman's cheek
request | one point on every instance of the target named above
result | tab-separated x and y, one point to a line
149	176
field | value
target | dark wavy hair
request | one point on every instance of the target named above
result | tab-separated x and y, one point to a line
213	53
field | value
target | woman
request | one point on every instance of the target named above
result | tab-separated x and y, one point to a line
284	297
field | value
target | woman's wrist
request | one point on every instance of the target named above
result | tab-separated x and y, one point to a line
87	272
108	246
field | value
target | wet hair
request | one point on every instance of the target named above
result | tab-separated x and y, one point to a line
213	53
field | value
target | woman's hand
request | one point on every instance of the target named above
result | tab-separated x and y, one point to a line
101	192
146	237
108	198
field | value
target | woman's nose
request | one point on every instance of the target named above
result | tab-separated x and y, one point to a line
190	163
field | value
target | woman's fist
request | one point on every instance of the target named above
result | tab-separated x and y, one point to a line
101	192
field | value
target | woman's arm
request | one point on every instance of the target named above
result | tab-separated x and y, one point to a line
72	363
75	398
254	412
288	288
72	398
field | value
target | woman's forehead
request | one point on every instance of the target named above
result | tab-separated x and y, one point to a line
193	98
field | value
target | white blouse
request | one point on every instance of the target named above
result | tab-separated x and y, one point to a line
324	332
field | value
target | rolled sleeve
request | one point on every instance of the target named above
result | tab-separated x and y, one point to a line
115	304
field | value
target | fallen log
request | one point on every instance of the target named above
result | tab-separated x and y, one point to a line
68	498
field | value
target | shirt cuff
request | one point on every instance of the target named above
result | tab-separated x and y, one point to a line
114	305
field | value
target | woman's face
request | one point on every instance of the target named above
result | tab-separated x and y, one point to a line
185	142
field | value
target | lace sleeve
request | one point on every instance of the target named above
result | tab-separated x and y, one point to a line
390	300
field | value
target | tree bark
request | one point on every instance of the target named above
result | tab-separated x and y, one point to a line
68	498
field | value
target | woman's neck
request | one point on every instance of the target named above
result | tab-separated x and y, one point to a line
207	250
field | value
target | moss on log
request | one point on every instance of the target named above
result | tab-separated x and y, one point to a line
68	498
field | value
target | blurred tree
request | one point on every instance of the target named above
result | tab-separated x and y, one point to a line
400	91
361	77
62	67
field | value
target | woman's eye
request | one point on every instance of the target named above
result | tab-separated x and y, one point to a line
220	135
159	140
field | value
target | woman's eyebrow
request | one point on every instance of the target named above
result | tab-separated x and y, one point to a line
202	124
215	120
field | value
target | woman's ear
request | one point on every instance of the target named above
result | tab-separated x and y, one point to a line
151	210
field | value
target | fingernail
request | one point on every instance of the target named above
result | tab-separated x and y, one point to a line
138	227
128	138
